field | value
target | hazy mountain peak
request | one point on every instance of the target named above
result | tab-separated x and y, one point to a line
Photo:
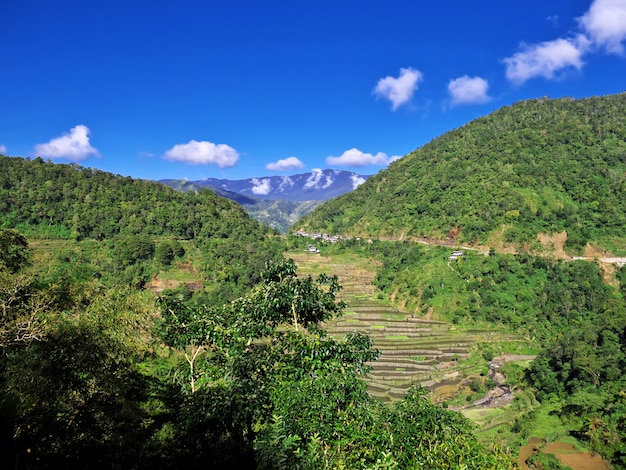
316	185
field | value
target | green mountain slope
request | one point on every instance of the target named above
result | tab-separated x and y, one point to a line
96	204
539	166
129	218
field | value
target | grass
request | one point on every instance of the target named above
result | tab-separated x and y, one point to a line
546	424
180	275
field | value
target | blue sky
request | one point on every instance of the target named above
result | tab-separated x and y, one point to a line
194	89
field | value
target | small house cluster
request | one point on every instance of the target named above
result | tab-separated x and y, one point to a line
455	256
321	236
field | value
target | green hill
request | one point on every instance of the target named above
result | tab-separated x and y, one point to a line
539	166
89	203
129	229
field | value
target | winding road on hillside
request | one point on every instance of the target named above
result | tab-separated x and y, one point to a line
556	241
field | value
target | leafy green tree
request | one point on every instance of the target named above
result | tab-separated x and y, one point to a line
77	397
164	253
177	248
263	385
14	251
135	248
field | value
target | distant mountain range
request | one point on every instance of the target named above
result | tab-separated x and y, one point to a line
317	185
278	201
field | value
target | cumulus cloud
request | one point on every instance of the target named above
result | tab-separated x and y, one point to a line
261	186
73	146
545	59
468	90
203	153
399	90
3	149
356	181
354	157
602	26
605	24
318	180
286	164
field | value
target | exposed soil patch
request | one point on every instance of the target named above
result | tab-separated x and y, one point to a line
528	451
187	266
554	243
566	453
576	459
158	285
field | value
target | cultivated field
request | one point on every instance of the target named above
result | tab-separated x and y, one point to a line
414	350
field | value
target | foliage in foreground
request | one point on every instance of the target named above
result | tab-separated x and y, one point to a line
298	394
253	383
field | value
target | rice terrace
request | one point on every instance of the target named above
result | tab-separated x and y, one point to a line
446	359
413	349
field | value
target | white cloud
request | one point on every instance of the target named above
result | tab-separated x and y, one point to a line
203	153
545	59
72	146
354	157
605	24
399	90
357	181
261	186
286	164
285	183
468	90
3	149
318	180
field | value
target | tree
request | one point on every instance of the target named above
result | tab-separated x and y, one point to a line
14	251
266	387
21	303
77	398
164	253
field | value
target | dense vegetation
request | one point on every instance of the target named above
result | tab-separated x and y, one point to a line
134	228
231	369
539	166
565	309
101	378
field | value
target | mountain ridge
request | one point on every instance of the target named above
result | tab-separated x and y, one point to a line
316	185
278	201
538	166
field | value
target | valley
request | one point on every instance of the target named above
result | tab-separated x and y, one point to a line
169	328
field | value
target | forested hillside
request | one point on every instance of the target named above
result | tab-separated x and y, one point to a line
128	229
539	166
82	202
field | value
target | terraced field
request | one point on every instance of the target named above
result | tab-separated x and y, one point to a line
413	350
